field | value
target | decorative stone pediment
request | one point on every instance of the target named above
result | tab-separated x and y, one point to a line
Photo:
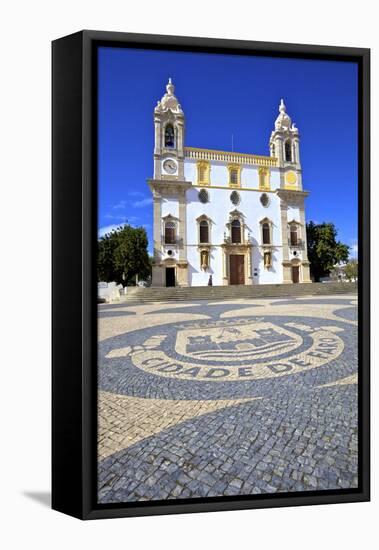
169	218
294	222
236	215
205	218
265	220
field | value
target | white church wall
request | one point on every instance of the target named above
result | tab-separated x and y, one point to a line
190	171
293	213
199	277
272	275
170	206
211	209
255	213
250	177
218	209
275	179
219	174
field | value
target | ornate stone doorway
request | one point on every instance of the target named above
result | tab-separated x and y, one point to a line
237	269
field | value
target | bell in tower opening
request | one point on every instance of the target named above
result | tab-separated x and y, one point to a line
169	138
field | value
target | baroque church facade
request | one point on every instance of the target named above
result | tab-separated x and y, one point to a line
226	217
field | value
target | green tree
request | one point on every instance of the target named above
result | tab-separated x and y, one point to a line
106	248
122	255
324	251
351	270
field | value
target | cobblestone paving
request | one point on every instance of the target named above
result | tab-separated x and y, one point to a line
350	313
213	399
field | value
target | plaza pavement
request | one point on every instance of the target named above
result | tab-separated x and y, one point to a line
201	399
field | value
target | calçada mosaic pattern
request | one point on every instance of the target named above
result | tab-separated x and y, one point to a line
227	398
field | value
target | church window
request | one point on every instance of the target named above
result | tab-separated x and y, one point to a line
234	175
266	237
203	171
264	178
288	151
264	199
235	198
293	235
204	232
169	136
169	233
203	196
236	231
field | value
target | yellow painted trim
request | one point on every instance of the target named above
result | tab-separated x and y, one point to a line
235	168
294	187
291	178
264	178
203	164
229	187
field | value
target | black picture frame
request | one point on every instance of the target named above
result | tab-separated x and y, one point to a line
74	336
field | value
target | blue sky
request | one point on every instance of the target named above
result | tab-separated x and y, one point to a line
223	95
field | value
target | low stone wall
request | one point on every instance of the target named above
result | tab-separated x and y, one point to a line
110	292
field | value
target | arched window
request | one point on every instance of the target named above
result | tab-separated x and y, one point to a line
266	237
288	151
293	235
236	231
169	136
169	233
204	232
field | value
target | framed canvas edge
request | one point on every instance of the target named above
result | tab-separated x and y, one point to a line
87	505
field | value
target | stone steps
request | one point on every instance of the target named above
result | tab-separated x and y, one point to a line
138	294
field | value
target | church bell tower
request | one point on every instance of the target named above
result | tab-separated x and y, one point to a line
285	146
169	123
169	187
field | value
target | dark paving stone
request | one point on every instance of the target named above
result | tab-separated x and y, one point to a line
115	313
300	301
314	415
349	313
